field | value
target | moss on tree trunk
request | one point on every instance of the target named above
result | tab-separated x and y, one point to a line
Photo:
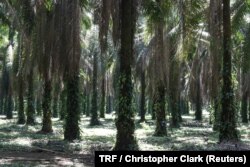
228	122
125	137
71	129
159	107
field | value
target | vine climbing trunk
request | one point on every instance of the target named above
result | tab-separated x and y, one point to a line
125	138
228	123
72	130
159	107
71	34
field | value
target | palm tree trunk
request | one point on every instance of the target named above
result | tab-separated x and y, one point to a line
73	51
198	107
153	110
56	95
72	130
30	107
228	123
215	24
21	115
159	94
94	114
142	100
103	92
249	109
38	105
63	100
47	122
125	139
244	106
174	93
159	107
8	99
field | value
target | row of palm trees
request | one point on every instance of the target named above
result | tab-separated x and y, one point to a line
175	49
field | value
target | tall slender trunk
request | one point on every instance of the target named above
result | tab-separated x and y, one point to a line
216	122
153	109
159	90
244	106
249	109
47	122
142	99
1	99
8	98
244	81
21	115
87	105
103	92
159	107
215	29
9	104
125	138
72	129
84	102
228	123
38	105
198	103
63	100
30	107
109	96
174	93
56	95
94	114
109	104
73	51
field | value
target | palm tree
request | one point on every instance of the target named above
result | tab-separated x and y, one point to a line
73	53
156	11
125	139
245	76
228	123
56	95
94	109
215	29
21	115
42	38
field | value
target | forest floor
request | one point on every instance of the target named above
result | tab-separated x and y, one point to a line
21	145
